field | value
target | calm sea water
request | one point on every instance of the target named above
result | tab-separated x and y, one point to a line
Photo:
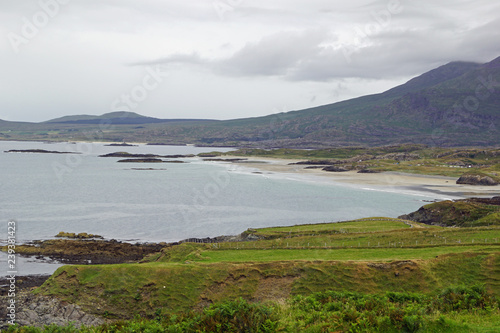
49	193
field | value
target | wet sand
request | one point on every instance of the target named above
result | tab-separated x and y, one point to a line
393	181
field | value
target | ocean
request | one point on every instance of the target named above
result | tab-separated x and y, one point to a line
48	193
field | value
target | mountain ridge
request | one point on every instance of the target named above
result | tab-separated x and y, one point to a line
116	117
456	104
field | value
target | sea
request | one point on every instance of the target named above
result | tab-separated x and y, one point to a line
44	194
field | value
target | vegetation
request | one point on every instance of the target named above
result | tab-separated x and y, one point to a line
81	235
368	275
472	212
418	159
450	310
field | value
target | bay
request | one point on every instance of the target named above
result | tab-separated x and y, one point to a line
49	193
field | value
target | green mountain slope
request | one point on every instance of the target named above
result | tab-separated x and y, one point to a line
457	104
438	108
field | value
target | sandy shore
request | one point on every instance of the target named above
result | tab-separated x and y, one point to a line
444	186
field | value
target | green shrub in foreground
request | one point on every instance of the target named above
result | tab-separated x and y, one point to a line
318	312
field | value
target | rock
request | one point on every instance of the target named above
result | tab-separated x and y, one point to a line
81	251
314	162
224	159
457	213
141	160
121	145
334	168
39	151
38	311
477	179
129	155
368	171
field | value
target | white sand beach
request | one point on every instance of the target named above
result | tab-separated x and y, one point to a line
393	180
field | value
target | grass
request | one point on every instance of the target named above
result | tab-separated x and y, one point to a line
369	255
352	254
361	225
315	277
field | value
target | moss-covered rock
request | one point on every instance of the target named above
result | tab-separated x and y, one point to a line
477	178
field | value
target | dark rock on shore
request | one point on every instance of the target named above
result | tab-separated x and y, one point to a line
224	159
141	160
314	167
314	162
129	155
39	151
477	179
368	171
334	168
121	145
69	251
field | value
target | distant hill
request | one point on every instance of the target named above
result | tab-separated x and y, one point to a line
457	104
115	118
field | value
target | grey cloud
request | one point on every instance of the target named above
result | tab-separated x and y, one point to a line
178	58
274	55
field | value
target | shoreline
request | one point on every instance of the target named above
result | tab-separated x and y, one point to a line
383	181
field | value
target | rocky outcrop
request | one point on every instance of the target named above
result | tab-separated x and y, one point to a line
80	251
458	213
334	168
121	145
33	310
476	179
225	159
141	160
129	155
316	162
39	151
368	171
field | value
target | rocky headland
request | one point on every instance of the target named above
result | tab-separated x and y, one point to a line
88	251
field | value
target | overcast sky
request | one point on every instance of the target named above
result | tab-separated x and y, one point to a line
224	59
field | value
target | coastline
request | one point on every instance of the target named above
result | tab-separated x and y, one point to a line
384	181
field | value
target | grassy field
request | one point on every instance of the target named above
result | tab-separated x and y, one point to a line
368	275
369	256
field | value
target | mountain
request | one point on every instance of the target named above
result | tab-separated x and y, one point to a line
114	118
457	104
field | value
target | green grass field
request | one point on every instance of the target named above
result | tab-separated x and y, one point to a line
370	257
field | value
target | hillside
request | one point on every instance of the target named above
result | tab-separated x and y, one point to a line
421	111
114	118
382	261
386	274
457	104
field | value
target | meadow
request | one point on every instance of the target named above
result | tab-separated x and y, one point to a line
368	275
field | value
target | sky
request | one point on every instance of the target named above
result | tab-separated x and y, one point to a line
225	59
